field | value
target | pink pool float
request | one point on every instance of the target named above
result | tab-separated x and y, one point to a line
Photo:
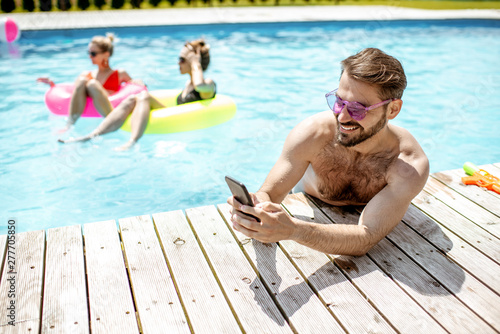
58	98
9	31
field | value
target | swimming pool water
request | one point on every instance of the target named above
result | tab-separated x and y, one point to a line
277	74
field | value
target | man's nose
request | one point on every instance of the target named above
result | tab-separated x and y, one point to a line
344	115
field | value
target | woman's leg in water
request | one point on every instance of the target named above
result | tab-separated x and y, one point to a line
111	123
140	118
78	101
100	97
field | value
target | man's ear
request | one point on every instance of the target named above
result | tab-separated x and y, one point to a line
394	108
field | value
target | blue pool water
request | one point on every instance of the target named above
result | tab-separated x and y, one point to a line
277	74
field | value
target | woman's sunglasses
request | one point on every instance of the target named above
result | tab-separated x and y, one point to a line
182	60
355	109
93	53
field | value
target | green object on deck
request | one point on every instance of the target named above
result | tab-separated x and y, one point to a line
470	168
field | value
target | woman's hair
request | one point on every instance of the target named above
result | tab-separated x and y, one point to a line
104	43
204	51
375	67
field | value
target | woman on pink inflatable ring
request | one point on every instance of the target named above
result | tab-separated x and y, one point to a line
97	85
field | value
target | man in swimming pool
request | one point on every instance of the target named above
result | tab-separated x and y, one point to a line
352	156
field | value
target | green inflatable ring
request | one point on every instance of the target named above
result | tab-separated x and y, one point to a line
186	117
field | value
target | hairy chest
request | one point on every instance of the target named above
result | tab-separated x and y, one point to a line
350	177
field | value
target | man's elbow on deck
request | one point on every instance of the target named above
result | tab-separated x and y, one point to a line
362	251
367	242
358	250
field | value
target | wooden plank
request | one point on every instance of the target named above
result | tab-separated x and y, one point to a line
481	196
464	206
388	296
158	306
206	307
29	255
380	289
458	224
4	257
303	308
432	295
110	299
339	294
455	248
65	294
254	307
464	286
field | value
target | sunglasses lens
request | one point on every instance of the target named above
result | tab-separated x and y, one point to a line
181	59
339	105
356	110
330	100
334	103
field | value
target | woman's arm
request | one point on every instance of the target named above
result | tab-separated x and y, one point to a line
206	87
46	80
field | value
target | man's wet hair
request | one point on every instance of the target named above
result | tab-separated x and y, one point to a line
375	67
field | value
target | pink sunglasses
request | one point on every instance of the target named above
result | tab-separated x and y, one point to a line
355	109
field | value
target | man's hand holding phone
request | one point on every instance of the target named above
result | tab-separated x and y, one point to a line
241	197
276	224
240	209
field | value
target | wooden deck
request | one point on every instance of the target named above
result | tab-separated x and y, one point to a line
437	272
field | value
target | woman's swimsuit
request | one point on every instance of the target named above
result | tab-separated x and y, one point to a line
112	83
192	96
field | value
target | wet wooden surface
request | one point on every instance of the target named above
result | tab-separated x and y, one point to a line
436	272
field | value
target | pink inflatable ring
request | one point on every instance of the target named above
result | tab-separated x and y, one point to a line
58	98
9	31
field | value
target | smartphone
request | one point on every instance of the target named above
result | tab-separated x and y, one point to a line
241	194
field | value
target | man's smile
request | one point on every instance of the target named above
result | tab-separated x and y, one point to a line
348	128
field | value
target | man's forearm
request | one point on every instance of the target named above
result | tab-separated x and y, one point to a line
333	238
263	196
267	196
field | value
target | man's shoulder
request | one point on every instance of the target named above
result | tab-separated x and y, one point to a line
318	126
409	147
311	134
411	165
